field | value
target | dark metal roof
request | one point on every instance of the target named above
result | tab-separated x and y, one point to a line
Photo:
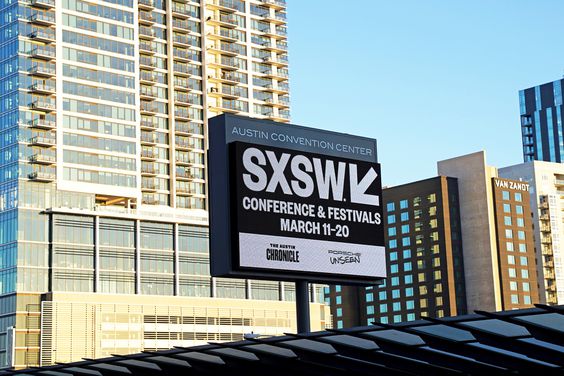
528	341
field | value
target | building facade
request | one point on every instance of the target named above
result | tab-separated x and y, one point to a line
541	122
102	162
457	243
546	180
497	236
424	260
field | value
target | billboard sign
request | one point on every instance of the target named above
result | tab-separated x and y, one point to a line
278	211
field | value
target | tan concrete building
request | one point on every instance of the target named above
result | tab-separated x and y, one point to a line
488	259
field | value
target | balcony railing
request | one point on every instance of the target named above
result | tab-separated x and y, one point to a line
42	176
42	124
43	3
43	52
42	141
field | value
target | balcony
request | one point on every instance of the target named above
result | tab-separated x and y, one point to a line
225	20
149	154
147	78
184	174
276	4
42	159
42	70
148	93
148	169
146	32
41	105
42	88
180	25
42	124
44	4
192	129
146	4
227	5
148	138
181	84
187	161
41	35
44	53
148	124
42	176
181	114
42	18
146	48
148	184
146	62
148	108
149	200
180	10
146	18
181	70
43	141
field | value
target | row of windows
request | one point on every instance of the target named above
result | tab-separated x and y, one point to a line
98	59
101	77
106	144
404	204
98	43
99	160
98	93
99	177
98	26
507	196
97	109
99	126
99	10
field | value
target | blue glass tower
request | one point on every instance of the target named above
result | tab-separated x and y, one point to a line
541	122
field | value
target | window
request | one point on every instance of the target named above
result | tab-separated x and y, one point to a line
437	274
404	216
406	253
420	264
391	219
383	308
526	299
512	273
524	273
394	268
505	195
409	291
406	242
396	306
339	312
521	235
403	204
518	197
390	206
407	266
411	317
422	290
514	299
395	281
511	259
508	234
408	279
393	243
397	318
391	231
523	261
393	256
520	222
405	229
507	220
522	248
436	262
384	320
509	247
506	208
432	198
338	300
439	301
423	303
410	304
421	277
340	324
370	310
518	209
338	288
513	286
382	295
370	297
395	294
526	286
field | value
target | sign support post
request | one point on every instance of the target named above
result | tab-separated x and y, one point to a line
302	306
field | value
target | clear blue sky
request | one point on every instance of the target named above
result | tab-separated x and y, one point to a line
428	79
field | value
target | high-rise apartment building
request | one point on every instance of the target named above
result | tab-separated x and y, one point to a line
546	180
424	260
103	237
541	122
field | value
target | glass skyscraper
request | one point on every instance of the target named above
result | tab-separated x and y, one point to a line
541	122
103	208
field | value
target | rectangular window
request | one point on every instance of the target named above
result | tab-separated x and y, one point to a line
524	273
507	220
505	195
410	304
408	279
520	222
406	242
513	286
523	260
512	273
393	256
514	299
396	306
406	253
403	204
518	197
393	243
339	312
370	310
405	229
382	295
390	206
411	317
370	297
394	268
338	300
511	259
397	318
395	281
508	234
404	216
383	308
395	294
391	219
506	208
518	209
407	267
521	235
526	299
391	231
409	291
509	246
526	286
